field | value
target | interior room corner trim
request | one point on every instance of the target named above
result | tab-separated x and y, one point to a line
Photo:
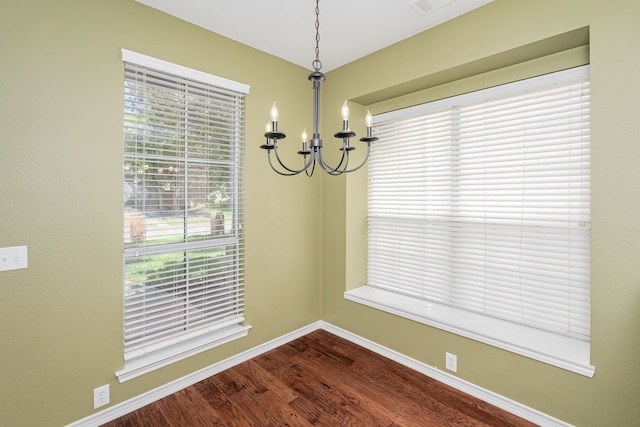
151	396
158	393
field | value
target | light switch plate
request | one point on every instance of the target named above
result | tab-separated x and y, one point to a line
13	258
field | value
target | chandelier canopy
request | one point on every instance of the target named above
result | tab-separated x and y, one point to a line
312	149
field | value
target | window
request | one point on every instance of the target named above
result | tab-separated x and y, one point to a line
183	212
479	217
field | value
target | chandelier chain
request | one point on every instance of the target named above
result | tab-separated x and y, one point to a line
317	65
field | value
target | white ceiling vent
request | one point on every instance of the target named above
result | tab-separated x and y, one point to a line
425	6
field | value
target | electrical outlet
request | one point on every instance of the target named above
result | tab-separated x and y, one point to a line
451	362
100	396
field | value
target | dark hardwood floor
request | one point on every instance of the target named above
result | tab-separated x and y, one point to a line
319	380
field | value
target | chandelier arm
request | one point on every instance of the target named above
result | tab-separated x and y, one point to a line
292	171
330	169
366	158
313	168
338	172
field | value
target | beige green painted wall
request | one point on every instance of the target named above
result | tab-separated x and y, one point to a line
493	36
61	101
60	194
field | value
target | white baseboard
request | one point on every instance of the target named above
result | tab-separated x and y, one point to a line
151	396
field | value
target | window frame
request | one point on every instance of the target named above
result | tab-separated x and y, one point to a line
562	351
217	330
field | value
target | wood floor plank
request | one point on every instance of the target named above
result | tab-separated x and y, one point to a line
260	407
378	378
348	392
269	408
400	385
314	391
316	381
253	370
149	416
428	395
221	403
375	395
482	413
187	407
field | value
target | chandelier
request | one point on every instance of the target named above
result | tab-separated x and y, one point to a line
312	149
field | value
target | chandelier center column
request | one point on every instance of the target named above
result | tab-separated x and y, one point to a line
316	78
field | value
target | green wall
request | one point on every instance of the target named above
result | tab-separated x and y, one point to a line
61	83
501	34
61	109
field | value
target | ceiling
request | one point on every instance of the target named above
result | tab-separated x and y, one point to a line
349	29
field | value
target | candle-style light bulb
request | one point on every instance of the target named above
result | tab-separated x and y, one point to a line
368	119
267	127
274	113
345	111
304	135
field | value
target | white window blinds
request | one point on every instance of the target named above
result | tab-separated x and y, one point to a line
481	202
183	208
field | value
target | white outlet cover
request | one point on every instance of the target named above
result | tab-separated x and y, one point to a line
451	362
100	396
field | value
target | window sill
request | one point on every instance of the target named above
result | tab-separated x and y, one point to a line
564	352
140	365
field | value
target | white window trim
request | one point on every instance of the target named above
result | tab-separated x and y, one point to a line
497	91
137	364
144	364
557	350
190	73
